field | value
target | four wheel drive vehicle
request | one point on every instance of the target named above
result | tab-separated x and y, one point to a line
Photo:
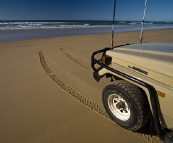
141	87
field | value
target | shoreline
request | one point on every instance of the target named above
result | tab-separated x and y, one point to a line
31	34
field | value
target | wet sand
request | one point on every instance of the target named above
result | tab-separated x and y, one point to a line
48	94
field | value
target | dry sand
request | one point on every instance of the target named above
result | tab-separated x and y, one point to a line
48	94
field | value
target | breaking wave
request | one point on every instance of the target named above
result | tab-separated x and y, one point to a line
14	25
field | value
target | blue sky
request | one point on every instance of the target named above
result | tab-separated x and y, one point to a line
157	10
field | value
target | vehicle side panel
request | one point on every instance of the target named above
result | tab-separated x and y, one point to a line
165	103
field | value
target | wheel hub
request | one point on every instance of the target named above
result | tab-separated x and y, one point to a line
119	107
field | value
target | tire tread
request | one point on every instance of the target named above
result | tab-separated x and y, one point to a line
139	96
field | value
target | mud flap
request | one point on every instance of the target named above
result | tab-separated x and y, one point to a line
152	127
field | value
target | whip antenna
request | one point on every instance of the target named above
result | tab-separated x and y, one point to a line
141	37
112	41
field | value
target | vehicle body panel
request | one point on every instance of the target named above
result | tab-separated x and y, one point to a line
155	66
157	72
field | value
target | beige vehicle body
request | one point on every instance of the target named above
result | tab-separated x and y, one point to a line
141	87
150	63
153	64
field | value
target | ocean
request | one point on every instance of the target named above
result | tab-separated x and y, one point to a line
34	29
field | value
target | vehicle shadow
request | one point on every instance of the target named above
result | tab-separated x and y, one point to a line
148	128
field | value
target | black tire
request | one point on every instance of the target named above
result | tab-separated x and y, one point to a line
126	104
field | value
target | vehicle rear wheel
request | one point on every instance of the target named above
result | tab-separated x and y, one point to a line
126	104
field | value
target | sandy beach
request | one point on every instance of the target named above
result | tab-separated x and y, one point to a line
48	94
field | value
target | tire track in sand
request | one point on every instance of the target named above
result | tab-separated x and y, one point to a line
85	88
76	94
45	136
88	88
76	81
74	60
96	92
